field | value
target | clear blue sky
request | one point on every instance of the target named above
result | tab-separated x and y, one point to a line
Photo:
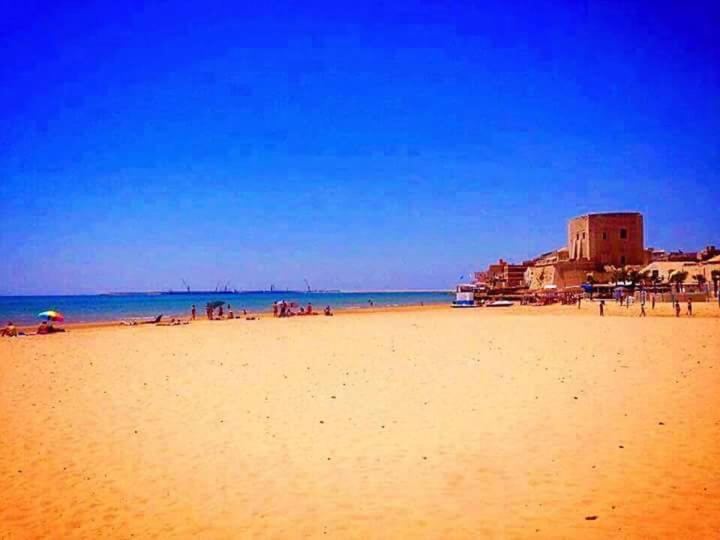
360	145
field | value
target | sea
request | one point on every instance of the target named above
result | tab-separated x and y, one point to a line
23	310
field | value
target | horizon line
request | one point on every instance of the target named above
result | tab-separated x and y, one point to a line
249	291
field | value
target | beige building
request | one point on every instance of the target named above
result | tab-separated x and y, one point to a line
665	269
615	239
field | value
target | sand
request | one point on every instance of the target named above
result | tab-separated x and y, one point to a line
436	423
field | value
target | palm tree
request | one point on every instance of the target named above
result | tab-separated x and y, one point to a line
619	274
635	277
678	278
655	279
715	276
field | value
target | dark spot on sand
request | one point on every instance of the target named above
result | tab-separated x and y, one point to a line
661	423
591	518
620	446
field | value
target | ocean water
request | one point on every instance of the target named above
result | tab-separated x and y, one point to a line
23	310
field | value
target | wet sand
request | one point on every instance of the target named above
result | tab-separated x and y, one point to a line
423	423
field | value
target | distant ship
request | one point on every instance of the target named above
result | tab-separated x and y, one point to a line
235	291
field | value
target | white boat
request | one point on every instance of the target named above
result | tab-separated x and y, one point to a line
500	303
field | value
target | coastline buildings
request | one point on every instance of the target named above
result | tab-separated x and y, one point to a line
596	245
599	245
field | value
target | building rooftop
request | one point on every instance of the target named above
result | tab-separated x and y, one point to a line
608	214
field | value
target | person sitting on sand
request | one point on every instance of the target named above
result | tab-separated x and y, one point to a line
172	322
231	315
46	328
135	323
309	309
10	330
328	311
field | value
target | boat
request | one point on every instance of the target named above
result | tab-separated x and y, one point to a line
500	303
464	296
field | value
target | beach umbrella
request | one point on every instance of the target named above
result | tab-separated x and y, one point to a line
215	304
52	315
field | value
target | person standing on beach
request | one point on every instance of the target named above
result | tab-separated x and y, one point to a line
689	308
193	312
653	301
275	308
209	312
602	308
677	309
220	312
579	301
642	310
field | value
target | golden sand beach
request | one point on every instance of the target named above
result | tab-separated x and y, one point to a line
415	423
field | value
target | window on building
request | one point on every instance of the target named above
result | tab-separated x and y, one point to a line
583	236
604	235
622	260
623	233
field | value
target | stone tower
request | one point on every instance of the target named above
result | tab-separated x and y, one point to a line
615	238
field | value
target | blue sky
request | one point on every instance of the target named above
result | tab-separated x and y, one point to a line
361	145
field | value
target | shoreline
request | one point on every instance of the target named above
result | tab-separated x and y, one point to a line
703	310
112	323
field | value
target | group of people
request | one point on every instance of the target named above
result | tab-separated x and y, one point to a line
222	313
284	309
643	313
45	327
